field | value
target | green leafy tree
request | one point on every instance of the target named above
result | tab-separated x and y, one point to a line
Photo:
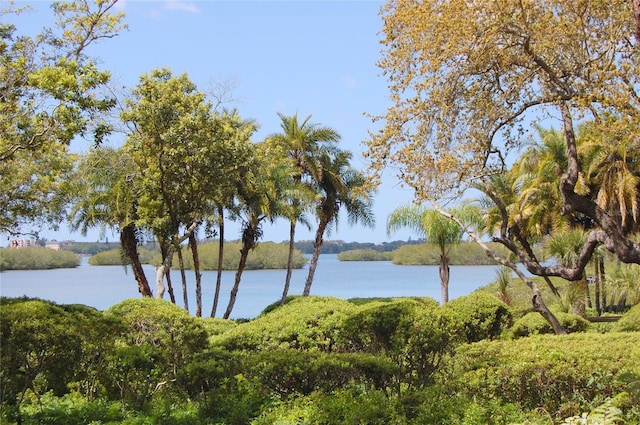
435	228
340	187
303	141
51	93
170	141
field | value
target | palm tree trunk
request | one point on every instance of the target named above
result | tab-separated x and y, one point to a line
167	273
603	286
244	253
317	244
444	278
183	275
129	244
216	295
193	243
596	285
287	280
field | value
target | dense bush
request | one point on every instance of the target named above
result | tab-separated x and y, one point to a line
305	323
482	316
316	360
36	258
564	375
365	255
629	322
381	327
40	349
534	324
288	372
340	407
415	335
159	340
51	348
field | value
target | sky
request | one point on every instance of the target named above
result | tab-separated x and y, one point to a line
313	58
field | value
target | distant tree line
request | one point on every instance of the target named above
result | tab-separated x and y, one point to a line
336	247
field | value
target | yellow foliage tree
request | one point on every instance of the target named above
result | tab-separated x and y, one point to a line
469	79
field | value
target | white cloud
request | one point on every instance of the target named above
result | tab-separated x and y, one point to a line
186	6
121	5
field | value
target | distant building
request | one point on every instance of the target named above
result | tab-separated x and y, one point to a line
58	245
21	243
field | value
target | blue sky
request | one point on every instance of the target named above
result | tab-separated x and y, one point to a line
307	57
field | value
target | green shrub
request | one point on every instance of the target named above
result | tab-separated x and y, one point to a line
305	323
36	258
380	327
217	326
564	375
534	324
341	407
482	316
159	340
290	372
415	335
41	349
69	409
629	322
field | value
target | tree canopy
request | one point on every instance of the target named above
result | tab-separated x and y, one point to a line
51	92
469	80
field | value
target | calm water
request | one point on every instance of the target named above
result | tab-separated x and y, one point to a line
104	286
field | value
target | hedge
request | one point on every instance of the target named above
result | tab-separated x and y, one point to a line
565	375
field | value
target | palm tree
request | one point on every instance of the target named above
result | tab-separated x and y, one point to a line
537	173
566	248
610	160
260	198
105	198
340	186
228	161
303	142
435	228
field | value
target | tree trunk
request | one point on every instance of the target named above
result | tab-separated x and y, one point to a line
287	280
537	301
603	286
165	267
541	307
585	282
317	244
183	276
129	244
596	285
244	253
444	278
193	243
216	295
165	249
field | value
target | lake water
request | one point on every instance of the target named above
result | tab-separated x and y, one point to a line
104	286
